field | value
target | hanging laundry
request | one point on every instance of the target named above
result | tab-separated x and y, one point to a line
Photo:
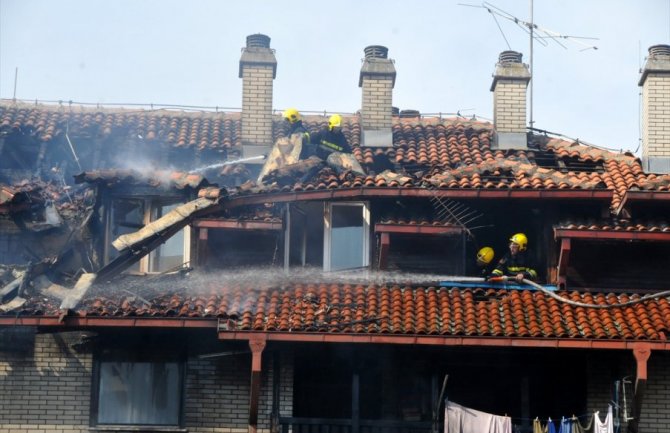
606	426
551	427
537	426
460	419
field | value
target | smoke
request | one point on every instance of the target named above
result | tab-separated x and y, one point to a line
262	278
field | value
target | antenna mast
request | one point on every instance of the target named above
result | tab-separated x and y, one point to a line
531	121
536	33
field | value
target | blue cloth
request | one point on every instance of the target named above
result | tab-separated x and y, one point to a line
551	427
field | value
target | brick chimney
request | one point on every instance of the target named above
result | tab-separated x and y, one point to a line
655	83
509	101
258	67
377	79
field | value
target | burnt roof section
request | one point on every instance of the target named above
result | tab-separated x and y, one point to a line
156	178
430	148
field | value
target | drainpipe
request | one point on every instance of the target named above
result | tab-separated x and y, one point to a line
257	344
641	352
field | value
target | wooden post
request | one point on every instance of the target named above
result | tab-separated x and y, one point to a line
384	250
203	236
563	262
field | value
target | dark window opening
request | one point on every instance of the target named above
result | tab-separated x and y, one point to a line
409	380
136	382
427	254
619	265
239	248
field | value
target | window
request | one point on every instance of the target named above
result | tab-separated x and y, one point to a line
346	236
128	215
139	393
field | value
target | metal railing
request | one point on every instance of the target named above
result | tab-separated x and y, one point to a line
329	425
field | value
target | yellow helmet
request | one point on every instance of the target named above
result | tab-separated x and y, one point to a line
334	121
292	115
521	240
485	255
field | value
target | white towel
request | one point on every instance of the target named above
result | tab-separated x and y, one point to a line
460	419
606	426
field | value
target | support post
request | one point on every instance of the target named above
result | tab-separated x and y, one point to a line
203	237
384	250
563	262
641	353
257	344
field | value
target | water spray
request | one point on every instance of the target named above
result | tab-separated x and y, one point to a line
222	164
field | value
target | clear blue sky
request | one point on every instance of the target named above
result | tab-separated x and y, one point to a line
187	52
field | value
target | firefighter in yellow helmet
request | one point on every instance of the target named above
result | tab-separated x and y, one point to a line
485	257
293	118
516	263
331	139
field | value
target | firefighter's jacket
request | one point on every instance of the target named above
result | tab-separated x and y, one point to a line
511	265
326	142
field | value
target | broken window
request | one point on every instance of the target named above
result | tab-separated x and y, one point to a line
128	215
139	393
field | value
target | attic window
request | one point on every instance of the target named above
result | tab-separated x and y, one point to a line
130	214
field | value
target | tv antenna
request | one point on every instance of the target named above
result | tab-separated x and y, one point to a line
536	33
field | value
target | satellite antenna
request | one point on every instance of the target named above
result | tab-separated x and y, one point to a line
536	33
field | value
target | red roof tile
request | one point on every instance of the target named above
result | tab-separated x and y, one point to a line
394	309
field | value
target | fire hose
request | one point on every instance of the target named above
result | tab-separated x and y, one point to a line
559	298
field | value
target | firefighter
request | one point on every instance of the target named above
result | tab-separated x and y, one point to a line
292	116
516	262
484	260
331	139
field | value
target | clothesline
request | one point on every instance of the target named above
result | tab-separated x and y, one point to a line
460	419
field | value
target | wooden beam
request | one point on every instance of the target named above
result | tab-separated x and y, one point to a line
563	262
238	225
385	245
203	246
641	352
460	193
257	344
417	229
612	235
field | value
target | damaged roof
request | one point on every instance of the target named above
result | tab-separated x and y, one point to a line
378	309
441	153
154	178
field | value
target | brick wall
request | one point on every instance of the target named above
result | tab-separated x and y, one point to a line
656	403
509	105
376	108
257	104
45	387
656	115
44	383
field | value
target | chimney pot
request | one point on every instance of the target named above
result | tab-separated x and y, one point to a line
508	57
376	52
659	50
258	41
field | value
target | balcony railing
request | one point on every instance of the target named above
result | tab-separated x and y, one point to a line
329	425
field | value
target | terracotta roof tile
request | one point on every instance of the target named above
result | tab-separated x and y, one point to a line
372	309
